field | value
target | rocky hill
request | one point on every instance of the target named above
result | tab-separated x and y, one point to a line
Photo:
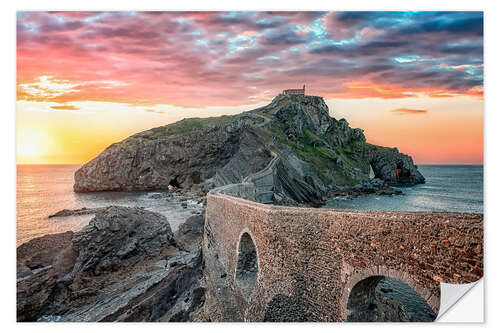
317	154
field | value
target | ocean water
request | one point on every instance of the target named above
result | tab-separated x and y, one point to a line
43	190
448	188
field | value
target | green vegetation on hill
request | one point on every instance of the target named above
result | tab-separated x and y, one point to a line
333	165
185	126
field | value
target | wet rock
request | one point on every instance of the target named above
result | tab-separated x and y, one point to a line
161	263
366	186
393	167
120	236
41	252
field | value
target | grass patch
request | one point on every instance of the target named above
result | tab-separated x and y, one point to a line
185	126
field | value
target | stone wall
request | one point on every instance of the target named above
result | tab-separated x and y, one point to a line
309	259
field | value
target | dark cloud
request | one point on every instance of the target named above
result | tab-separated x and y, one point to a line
363	49
463	26
353	18
462	49
286	37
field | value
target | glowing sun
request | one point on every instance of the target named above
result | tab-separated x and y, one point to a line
31	145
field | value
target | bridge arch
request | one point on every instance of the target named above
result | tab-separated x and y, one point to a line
359	290
247	263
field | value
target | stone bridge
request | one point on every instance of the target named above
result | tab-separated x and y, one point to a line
276	263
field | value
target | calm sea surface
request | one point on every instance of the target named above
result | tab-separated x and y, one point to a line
43	190
451	188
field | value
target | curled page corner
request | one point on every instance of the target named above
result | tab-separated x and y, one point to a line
452	294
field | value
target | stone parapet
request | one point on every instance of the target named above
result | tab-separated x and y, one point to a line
309	259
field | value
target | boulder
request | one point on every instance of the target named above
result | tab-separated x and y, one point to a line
190	234
120	236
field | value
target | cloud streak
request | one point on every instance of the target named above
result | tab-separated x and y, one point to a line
403	111
65	107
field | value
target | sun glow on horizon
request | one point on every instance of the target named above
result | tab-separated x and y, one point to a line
32	145
28	149
52	133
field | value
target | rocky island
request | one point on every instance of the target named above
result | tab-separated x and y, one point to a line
127	265
318	155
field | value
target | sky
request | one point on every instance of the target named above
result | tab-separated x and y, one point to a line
412	80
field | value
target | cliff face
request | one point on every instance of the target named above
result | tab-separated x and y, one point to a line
317	153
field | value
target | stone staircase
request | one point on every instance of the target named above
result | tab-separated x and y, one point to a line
264	182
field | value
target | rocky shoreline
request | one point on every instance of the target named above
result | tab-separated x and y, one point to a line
369	186
126	265
121	266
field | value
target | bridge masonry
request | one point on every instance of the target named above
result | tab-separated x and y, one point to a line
308	260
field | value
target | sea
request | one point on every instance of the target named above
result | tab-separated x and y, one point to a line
43	190
447	188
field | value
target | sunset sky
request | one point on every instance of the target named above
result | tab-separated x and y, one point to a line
412	80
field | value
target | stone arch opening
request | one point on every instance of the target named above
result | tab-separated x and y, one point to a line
247	266
403	175
371	174
174	183
381	298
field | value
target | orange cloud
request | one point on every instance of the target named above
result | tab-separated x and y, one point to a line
409	111
476	91
368	89
154	111
249	33
65	107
